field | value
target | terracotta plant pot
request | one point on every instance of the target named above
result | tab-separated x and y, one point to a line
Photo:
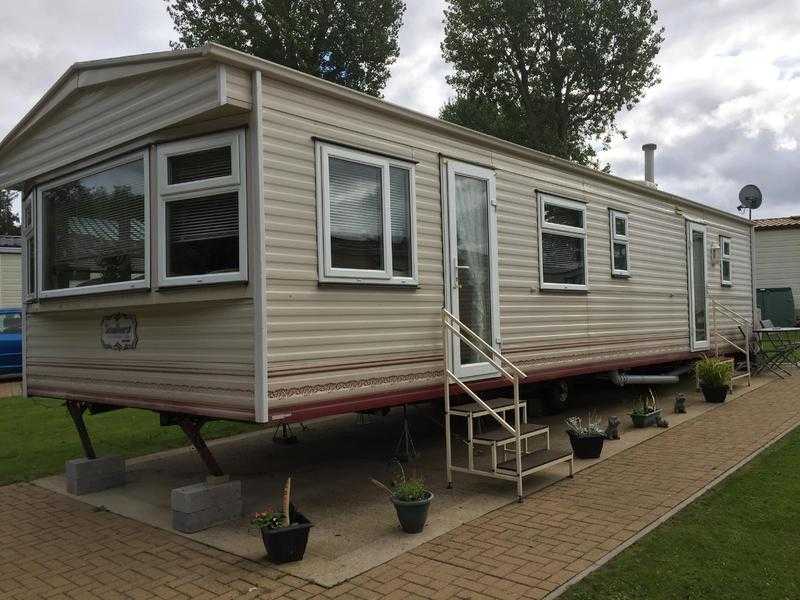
412	515
586	447
714	394
287	544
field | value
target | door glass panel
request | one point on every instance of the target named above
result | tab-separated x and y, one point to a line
474	271
699	291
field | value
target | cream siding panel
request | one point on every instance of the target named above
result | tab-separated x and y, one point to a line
191	358
337	341
238	87
96	119
10	280
778	260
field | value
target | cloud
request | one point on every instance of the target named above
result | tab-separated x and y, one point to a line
725	114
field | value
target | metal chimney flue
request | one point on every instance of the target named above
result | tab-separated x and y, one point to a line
650	163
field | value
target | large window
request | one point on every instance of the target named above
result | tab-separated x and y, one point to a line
620	244
94	230
562	243
725	261
202	210
366	229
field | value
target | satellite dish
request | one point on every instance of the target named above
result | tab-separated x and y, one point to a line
750	196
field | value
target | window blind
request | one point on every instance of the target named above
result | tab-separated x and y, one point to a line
196	166
208	218
356	215
94	228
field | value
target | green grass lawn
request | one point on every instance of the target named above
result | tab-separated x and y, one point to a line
739	541
37	436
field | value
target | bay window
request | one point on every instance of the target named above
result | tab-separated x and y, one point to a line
562	243
93	230
366	229
620	244
202	237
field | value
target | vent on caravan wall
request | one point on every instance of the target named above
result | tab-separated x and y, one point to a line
650	164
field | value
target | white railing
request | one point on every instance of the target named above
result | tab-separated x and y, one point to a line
453	329
744	324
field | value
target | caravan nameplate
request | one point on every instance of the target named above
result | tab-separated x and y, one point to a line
118	332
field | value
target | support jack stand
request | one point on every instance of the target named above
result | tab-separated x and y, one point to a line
191	426
286	437
76	410
405	450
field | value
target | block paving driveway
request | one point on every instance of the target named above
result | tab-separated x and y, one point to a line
54	547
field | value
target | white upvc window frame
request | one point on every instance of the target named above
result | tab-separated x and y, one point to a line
725	257
329	274
28	230
625	240
101	288
565	230
235	182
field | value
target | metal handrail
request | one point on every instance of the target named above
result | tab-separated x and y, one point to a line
446	314
745	326
732	313
479	400
474	347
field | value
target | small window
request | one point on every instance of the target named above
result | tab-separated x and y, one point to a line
202	204
725	261
620	244
11	323
366	218
562	243
29	247
94	230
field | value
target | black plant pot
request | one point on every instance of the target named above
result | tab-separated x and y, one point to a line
714	394
287	544
413	515
586	447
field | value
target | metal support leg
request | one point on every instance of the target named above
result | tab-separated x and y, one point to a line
447	441
191	427
572	468
76	410
405	450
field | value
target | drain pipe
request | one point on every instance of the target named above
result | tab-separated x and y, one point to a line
622	379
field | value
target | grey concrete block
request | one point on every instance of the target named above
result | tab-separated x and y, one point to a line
85	476
200	506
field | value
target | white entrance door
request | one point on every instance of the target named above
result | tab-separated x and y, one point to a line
471	244
696	248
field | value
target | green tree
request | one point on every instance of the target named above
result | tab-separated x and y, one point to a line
350	42
550	74
9	221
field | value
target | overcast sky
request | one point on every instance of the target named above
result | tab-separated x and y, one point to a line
725	114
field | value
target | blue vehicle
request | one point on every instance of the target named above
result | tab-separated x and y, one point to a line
10	343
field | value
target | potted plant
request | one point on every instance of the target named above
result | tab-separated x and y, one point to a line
285	532
586	438
411	500
645	412
715	378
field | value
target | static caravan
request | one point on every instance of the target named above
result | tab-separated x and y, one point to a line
10	271
777	251
210	235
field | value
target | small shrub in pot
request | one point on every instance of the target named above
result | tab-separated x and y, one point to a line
645	411
587	437
715	378
411	500
284	532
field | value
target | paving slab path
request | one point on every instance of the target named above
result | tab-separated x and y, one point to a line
52	546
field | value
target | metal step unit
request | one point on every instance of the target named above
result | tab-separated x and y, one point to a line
514	433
